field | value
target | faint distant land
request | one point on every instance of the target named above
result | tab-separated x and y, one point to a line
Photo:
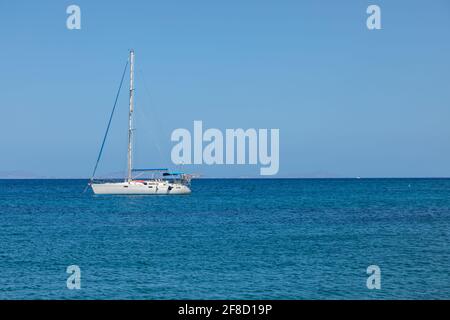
19	174
306	175
310	175
23	174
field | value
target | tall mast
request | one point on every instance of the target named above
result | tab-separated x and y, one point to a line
130	117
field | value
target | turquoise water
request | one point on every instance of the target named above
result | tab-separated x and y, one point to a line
230	239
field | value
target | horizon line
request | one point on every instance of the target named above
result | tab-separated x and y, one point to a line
243	178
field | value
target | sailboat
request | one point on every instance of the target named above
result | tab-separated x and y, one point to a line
169	183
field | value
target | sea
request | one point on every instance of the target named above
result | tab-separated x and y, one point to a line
229	239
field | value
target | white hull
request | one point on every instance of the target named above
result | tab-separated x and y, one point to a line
148	187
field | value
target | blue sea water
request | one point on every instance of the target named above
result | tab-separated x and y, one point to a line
229	239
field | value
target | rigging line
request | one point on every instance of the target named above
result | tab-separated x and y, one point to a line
140	74
109	123
153	134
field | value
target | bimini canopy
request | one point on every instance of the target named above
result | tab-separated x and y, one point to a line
173	173
143	170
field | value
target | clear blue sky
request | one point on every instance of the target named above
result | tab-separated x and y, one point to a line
348	101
